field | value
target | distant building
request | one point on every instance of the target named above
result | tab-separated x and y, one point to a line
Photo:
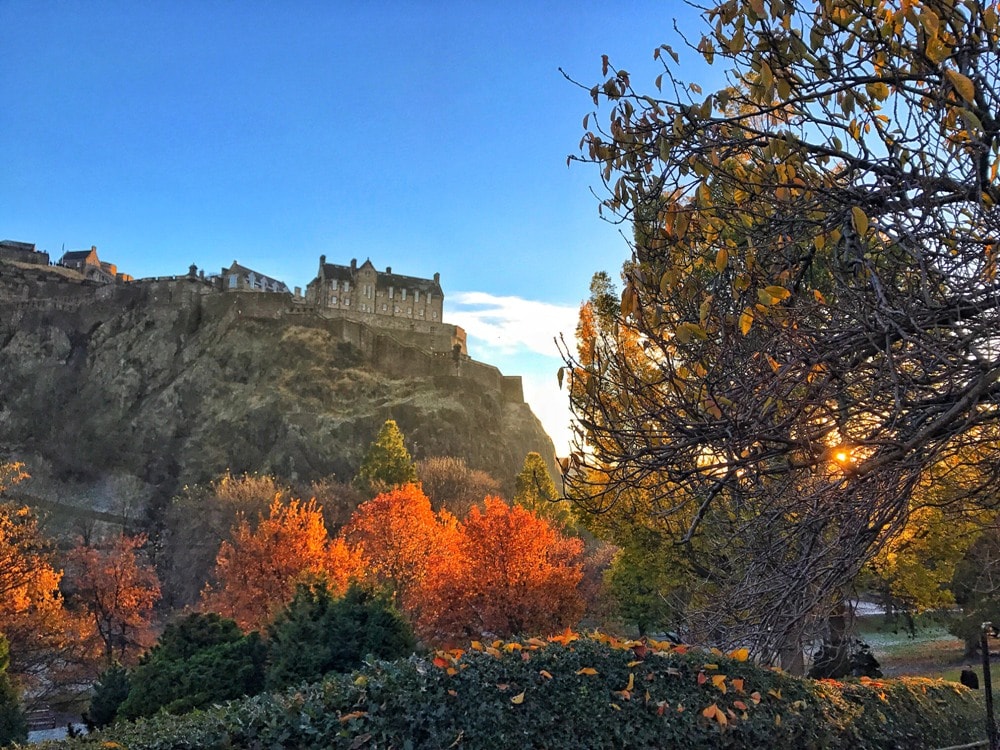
241	278
22	252
366	292
91	267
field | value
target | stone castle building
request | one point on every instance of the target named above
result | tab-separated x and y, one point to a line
91	267
22	252
365	293
241	278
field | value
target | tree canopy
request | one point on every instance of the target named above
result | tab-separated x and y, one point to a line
808	320
387	463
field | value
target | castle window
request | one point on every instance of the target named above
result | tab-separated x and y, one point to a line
384	307
421	313
333	299
390	292
347	286
347	301
434	315
416	295
233	281
396	309
409	311
403	291
368	291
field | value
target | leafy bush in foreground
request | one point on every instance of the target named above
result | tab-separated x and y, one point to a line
575	692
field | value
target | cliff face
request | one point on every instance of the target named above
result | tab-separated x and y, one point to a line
161	384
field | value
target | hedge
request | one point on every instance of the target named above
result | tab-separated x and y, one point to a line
573	692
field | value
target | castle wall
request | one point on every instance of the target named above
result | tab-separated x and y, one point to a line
399	347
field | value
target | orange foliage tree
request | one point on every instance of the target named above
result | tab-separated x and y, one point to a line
46	641
119	592
400	538
512	572
257	571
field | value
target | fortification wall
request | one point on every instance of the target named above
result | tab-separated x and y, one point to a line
404	349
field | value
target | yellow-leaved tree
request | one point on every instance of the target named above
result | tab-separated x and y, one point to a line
807	325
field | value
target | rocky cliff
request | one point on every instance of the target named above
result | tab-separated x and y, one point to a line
152	385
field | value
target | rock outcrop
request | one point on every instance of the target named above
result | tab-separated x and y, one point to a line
160	383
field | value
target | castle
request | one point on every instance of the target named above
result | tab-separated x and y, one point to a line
396	304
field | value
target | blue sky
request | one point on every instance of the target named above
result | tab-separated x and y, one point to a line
430	137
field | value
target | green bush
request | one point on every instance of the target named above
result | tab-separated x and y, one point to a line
110	692
200	660
13	723
582	693
318	633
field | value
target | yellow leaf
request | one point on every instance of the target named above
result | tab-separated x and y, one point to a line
587	671
776	693
361	681
859	220
616	707
746	320
778	293
719	681
740	654
518	699
631	682
777	720
710	666
963	85
721	259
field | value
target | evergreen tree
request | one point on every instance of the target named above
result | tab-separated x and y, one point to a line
534	490
200	660
319	633
110	691
387	463
13	723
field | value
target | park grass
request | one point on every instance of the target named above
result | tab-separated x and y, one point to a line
929	651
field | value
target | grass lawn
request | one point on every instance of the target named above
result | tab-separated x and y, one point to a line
930	652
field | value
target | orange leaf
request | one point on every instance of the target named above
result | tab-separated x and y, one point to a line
451	671
719	681
587	670
545	674
740	654
353	715
702	679
755	697
738	684
740	705
441	662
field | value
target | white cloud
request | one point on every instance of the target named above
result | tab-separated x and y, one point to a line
518	336
512	324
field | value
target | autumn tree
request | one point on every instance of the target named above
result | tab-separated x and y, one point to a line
118	590
452	485
512	573
398	536
47	642
256	572
813	275
197	520
387	463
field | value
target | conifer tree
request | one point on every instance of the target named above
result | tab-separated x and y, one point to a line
387	463
535	491
13	723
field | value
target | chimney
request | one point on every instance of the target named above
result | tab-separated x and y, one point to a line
437	278
322	260
354	264
388	269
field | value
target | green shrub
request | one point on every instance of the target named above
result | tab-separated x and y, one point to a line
318	633
200	660
110	691
13	723
579	693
